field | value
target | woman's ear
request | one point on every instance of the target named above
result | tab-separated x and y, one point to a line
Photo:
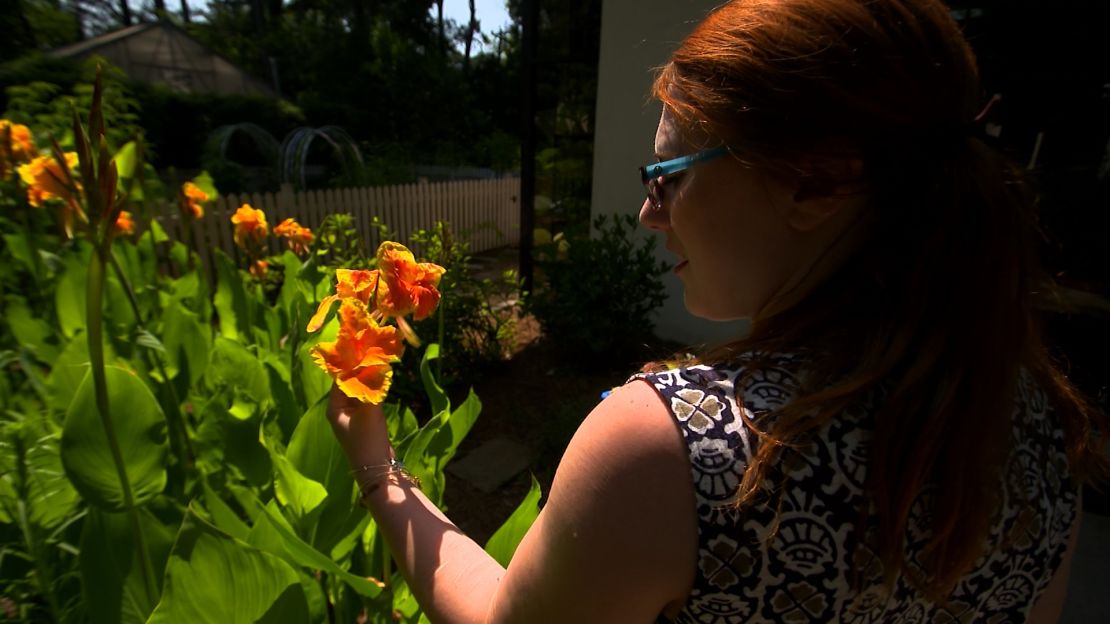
834	186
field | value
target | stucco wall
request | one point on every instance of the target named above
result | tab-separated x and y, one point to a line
635	38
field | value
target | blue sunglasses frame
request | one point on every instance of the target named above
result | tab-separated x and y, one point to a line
651	172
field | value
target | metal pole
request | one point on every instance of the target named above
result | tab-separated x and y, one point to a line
529	19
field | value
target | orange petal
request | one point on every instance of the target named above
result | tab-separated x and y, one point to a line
369	385
317	320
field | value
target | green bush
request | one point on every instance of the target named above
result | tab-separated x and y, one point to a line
476	321
596	295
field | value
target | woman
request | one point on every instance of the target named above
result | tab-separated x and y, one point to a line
891	441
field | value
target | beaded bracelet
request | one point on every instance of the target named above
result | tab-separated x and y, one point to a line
395	468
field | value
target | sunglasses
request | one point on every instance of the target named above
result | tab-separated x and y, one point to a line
654	175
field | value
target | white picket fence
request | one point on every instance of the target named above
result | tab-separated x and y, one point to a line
484	213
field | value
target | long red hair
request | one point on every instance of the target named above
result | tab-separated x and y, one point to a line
938	303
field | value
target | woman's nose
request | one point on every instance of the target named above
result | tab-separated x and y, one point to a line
654	218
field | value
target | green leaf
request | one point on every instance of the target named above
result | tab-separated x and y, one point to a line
294	490
21	250
188	343
160	235
143	338
289	413
112	585
69	297
68	372
502	544
315	383
232	305
141	434
306	555
292	296
51	497
223	516
436	394
316	454
214	578
32	333
445	443
125	160
204	183
233	366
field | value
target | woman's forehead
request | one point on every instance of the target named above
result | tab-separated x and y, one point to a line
668	138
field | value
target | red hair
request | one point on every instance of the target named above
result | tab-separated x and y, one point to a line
938	303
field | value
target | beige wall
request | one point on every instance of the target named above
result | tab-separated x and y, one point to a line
635	38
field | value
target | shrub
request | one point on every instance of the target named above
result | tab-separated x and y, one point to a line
596	295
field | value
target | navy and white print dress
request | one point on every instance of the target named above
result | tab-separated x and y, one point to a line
810	570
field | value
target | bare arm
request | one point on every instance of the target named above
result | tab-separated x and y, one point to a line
616	541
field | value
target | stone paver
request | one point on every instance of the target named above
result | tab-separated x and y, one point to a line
493	464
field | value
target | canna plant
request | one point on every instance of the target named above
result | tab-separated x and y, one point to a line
164	455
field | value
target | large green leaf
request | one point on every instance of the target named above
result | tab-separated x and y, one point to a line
232	303
214	578
69	370
435	393
140	432
187	342
446	442
222	515
52	498
292	296
295	491
289	413
502	544
304	554
113	590
315	383
436	443
20	248
233	366
69	297
316	454
32	333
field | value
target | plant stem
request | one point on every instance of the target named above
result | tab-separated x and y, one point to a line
95	319
179	439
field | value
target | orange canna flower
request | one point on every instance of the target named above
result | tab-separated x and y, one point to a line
250	225
45	179
299	237
407	286
349	284
16	146
124	225
259	269
361	356
192	200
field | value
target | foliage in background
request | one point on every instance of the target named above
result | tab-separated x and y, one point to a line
49	108
477	317
180	467
598	294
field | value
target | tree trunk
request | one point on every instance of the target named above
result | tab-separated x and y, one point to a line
125	12
442	32
185	12
160	9
471	28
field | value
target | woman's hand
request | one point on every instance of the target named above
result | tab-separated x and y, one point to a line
360	428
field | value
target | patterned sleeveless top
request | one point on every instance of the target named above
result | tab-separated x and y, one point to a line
811	571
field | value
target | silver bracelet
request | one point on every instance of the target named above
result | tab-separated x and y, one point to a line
395	468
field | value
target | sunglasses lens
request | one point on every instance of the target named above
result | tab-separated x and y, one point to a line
655	193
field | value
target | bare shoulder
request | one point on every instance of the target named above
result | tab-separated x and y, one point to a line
620	516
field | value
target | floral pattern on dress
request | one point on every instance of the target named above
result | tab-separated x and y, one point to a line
800	564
